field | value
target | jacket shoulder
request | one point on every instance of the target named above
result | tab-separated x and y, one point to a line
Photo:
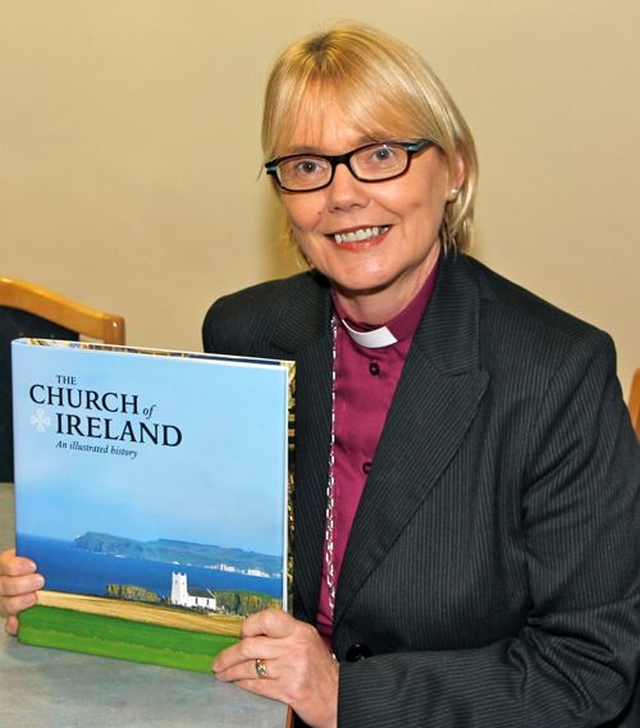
244	322
524	341
519	309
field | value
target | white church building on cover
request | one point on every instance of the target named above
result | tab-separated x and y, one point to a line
181	597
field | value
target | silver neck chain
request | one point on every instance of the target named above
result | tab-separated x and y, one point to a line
330	512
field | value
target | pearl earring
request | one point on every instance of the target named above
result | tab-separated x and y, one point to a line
455	191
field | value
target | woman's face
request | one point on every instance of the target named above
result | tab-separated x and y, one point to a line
398	219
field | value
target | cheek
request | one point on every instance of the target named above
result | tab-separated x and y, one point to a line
424	210
303	213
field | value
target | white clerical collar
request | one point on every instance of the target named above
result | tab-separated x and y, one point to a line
376	339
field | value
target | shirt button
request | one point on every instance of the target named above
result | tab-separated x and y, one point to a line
366	467
358	652
374	368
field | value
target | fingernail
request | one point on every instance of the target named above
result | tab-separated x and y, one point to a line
37	581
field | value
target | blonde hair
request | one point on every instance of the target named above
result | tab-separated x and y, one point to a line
375	77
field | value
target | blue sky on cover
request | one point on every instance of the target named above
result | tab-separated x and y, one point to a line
222	485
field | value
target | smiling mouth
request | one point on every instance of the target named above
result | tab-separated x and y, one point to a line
360	235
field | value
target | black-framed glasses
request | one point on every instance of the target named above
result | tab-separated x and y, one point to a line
373	162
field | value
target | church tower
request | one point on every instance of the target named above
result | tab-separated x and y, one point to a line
179	590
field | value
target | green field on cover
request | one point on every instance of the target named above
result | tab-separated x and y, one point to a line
124	639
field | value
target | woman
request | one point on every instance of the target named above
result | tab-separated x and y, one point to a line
467	479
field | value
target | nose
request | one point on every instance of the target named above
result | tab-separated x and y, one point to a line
345	191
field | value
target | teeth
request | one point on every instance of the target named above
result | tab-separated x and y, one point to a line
356	236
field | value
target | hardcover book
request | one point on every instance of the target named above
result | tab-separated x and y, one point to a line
152	491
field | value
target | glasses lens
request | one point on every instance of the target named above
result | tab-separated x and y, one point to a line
304	172
380	161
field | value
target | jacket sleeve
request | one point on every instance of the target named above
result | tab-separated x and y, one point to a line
574	661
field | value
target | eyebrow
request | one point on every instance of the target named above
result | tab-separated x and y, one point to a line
300	150
306	149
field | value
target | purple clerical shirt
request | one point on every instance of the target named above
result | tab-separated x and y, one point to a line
365	381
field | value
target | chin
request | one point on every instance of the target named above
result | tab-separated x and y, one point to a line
360	287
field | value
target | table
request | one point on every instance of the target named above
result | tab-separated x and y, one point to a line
44	687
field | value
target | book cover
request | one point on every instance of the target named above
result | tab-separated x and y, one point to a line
151	490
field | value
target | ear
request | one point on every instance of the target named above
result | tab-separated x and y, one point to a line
457	179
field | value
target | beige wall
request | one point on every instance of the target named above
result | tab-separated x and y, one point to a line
129	152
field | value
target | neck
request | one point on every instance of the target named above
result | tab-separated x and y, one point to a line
370	307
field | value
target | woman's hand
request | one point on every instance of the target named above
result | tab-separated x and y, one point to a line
19	583
296	667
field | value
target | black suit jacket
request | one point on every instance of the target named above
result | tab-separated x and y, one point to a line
492	575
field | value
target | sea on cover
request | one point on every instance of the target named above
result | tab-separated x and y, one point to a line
71	569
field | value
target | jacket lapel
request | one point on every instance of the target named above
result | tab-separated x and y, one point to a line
437	396
304	331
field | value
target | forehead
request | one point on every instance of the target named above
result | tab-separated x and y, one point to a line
331	133
327	121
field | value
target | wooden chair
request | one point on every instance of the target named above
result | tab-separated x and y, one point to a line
65	312
27	309
634	402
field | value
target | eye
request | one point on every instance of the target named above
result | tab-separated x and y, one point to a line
380	156
306	166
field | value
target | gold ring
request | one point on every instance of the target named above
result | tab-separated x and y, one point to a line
261	668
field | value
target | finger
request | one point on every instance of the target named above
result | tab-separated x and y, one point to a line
248	670
14	605
11	625
247	650
12	565
12	586
270	622
266	688
284	633
19	592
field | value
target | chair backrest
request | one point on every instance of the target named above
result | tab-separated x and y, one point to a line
634	402
27	309
63	311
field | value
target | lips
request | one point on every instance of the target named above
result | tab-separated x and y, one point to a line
360	235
